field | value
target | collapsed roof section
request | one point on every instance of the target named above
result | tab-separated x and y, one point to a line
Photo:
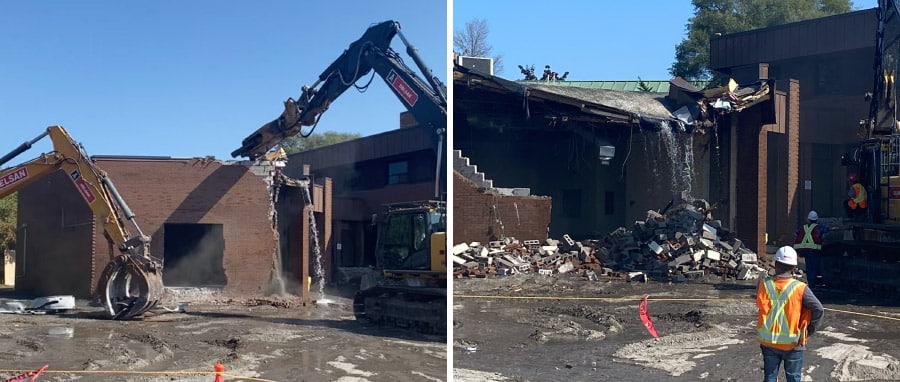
685	107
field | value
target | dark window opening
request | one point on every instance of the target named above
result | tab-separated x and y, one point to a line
398	172
609	201
193	255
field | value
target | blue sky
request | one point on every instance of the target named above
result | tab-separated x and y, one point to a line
194	78
190	78
592	40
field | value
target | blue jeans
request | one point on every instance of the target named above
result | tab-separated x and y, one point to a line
813	265
772	359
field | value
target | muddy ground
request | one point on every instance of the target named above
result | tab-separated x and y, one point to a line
264	340
517	328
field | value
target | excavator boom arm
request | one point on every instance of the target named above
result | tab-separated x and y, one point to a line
426	101
132	276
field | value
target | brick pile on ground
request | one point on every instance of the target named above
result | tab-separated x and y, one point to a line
681	242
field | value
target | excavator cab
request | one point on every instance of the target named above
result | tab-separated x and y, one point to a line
411	257
404	237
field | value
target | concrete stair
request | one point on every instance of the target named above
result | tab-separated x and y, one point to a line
470	171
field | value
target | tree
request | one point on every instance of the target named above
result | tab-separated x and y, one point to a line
717	17
296	144
472	41
8	216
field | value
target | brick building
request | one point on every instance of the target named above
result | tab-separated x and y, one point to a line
831	59
606	157
488	213
210	221
392	167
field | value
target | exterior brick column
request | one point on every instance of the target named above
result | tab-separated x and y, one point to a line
750	190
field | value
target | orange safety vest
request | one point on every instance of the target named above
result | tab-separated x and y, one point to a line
810	238
860	198
782	321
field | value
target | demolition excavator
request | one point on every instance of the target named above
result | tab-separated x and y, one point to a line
411	289
131	283
867	255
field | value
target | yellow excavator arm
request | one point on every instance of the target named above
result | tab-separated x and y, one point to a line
131	283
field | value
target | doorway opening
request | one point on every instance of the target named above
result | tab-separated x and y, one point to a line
193	255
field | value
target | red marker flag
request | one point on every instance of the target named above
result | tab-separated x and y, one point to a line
30	376
645	316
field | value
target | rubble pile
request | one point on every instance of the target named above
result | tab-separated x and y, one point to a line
682	241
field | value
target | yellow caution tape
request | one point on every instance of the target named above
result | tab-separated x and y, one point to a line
213	373
638	299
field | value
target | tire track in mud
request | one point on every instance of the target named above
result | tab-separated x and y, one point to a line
855	361
676	354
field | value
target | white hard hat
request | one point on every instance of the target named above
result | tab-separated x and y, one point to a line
813	215
786	255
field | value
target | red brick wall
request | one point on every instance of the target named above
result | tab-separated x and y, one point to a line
752	181
63	253
474	218
54	240
204	192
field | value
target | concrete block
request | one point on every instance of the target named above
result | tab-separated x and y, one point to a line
471	265
727	248
531	242
694	274
698	255
686	258
637	276
457	259
545	272
460	248
706	243
484	252
654	247
474	244
748	258
568	240
713	255
565	267
507	262
548	249
496	244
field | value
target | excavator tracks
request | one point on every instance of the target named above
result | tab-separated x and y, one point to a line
415	308
862	265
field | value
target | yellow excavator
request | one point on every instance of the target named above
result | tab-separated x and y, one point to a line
131	283
411	287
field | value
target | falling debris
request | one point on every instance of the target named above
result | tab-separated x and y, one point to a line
680	242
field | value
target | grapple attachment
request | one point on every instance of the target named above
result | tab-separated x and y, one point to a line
129	287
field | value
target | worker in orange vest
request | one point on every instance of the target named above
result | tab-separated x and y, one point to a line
788	314
857	198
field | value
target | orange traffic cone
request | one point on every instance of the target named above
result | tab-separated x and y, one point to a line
219	368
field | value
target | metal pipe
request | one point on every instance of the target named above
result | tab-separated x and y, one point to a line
414	53
22	148
437	170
